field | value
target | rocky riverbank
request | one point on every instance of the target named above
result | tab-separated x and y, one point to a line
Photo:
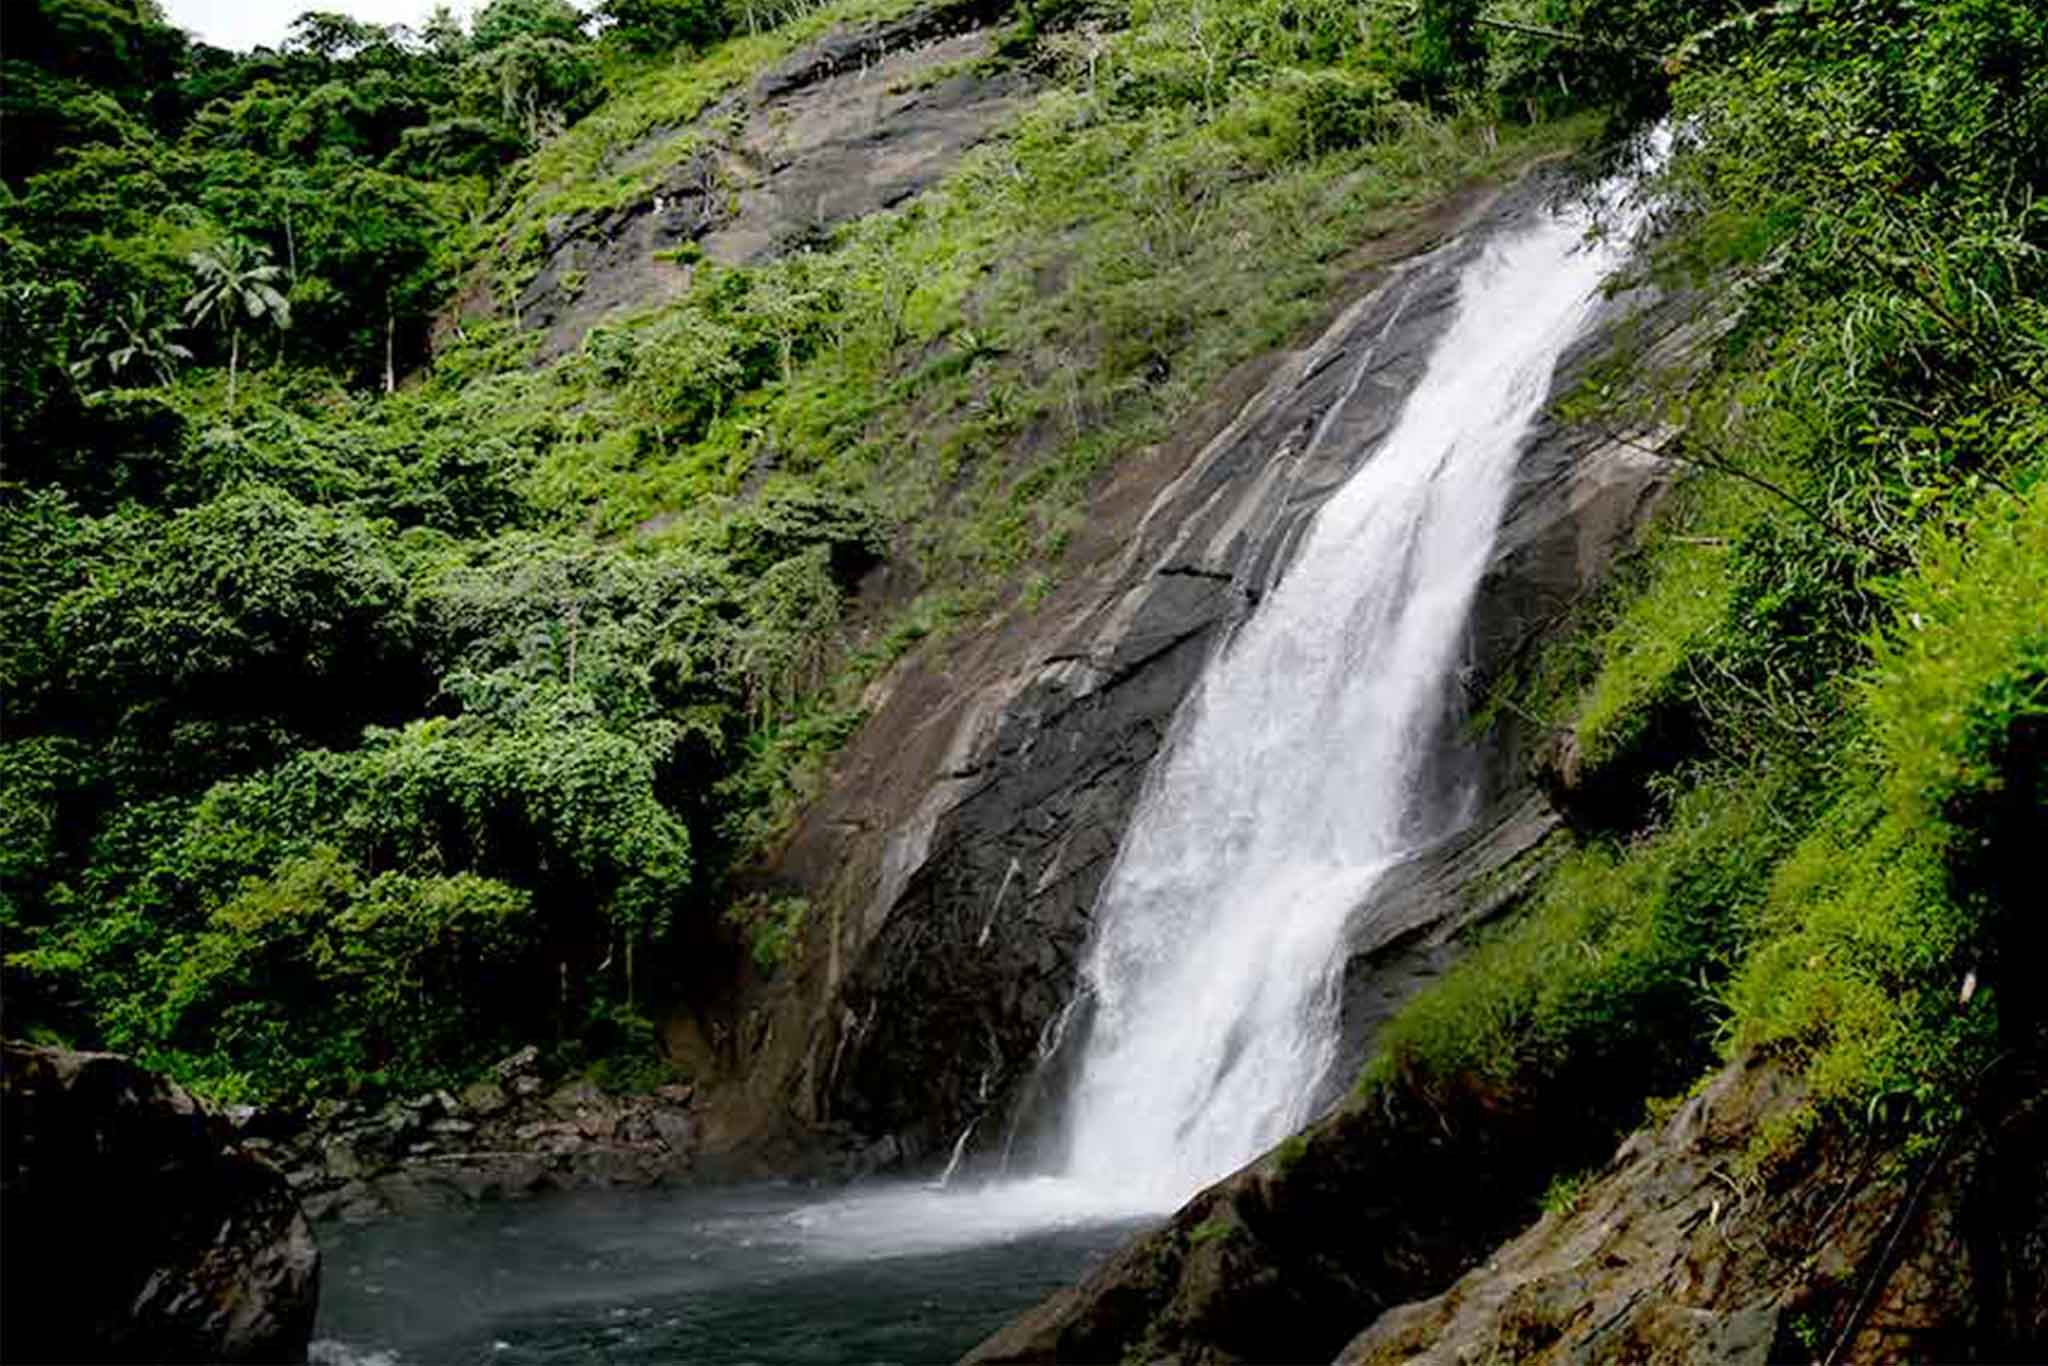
509	1134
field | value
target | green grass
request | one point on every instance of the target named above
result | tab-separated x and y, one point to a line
1610	968
1876	923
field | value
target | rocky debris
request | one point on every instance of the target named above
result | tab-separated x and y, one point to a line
506	1135
1839	1251
136	1228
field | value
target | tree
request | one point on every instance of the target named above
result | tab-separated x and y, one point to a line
658	25
508	21
236	282
537	86
132	337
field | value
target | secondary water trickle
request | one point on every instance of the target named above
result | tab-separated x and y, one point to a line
1291	782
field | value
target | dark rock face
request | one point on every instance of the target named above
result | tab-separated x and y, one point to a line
982	909
134	1230
955	953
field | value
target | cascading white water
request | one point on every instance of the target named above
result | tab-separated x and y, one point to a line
1288	788
1290	783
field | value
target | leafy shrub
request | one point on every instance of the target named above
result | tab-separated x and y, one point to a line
320	973
771	926
239	625
1877	923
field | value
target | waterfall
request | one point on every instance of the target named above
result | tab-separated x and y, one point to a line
1292	777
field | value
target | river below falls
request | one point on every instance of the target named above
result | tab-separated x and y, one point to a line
882	1272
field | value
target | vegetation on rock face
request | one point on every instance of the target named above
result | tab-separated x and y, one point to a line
1802	731
359	730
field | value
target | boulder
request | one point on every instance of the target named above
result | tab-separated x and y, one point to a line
674	1129
485	1098
135	1229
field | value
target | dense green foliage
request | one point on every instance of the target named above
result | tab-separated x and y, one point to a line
357	729
1805	726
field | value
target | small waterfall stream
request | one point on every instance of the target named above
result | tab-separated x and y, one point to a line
1291	779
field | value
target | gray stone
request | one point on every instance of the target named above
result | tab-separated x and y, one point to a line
485	1098
516	1064
342	1160
675	1130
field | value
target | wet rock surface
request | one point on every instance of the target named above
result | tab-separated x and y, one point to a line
505	1136
962	844
135	1228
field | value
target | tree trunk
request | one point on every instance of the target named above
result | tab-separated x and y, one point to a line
390	328
234	362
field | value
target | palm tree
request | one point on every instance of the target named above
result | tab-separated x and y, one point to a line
237	282
129	337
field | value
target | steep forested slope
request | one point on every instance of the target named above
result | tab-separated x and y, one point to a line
379	697
407	626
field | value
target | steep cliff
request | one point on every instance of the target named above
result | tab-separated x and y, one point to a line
961	842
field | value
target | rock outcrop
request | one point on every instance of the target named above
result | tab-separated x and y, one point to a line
1377	1203
135	1229
1683	1247
1683	1250
860	120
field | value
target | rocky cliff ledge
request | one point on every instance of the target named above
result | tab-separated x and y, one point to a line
135	1229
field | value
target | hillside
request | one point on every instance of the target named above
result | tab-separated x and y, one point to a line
505	668
675	538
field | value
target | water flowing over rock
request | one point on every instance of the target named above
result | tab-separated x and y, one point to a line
958	855
1299	773
135	1230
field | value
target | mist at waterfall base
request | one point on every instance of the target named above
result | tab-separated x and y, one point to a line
1288	788
895	1272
